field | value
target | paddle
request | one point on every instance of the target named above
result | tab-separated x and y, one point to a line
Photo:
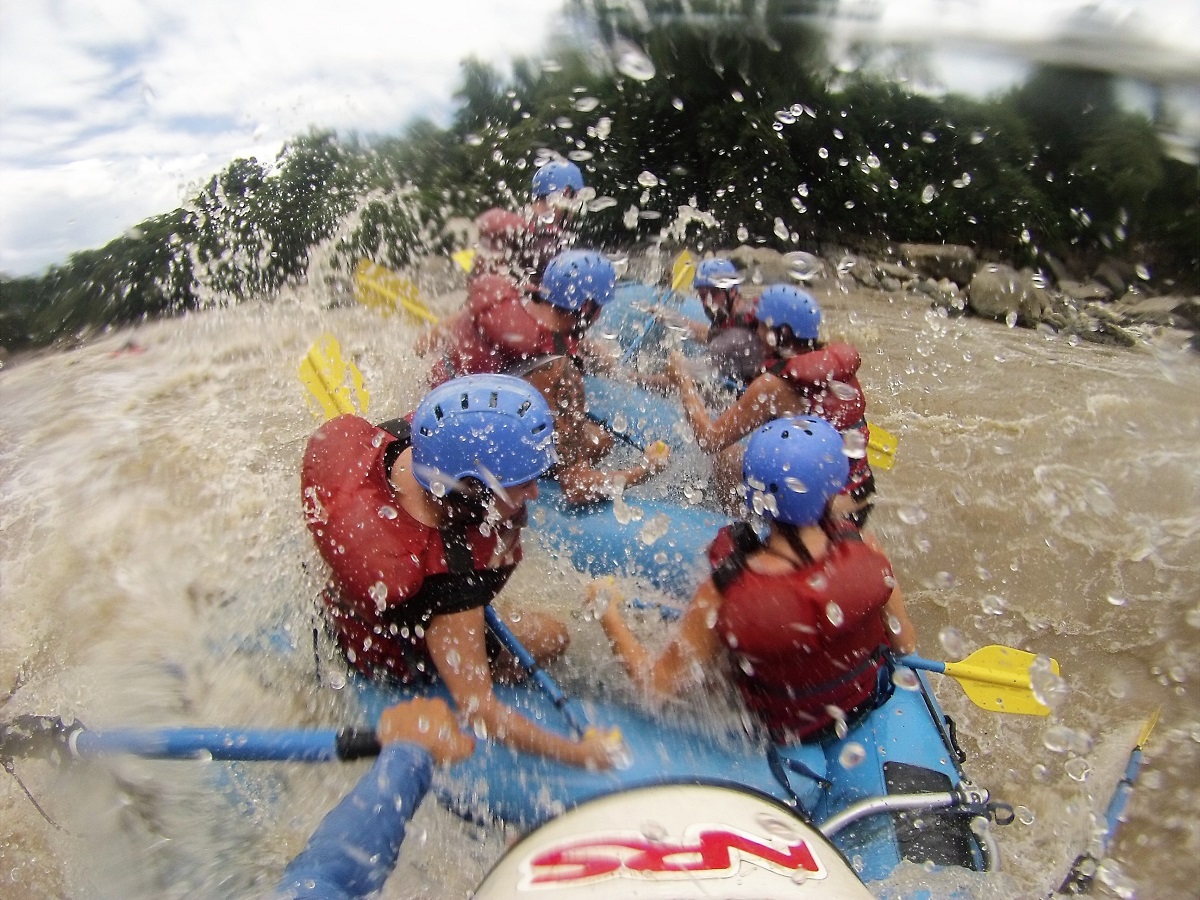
325	372
683	270
51	738
464	258
881	447
382	289
993	677
513	645
1083	871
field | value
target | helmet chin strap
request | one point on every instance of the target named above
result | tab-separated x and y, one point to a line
467	507
477	507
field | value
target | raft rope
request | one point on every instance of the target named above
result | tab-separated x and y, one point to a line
11	769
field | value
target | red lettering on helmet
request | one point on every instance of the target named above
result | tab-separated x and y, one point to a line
707	851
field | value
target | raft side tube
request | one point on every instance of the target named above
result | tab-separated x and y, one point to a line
666	544
500	783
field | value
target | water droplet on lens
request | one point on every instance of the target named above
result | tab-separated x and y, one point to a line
912	515
953	642
586	104
852	755
647	179
906	680
1078	769
632	62
928	193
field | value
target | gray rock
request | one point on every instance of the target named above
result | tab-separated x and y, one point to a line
1136	309
893	270
927	286
1058	269
1188	311
952	261
998	292
762	265
995	291
1103	331
864	272
1116	275
1092	290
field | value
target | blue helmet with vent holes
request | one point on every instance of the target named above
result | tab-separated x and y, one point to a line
718	272
575	277
792	468
557	175
494	428
782	304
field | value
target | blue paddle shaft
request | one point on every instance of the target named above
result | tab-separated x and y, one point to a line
297	745
506	637
917	662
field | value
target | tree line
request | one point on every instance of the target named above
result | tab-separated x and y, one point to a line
740	121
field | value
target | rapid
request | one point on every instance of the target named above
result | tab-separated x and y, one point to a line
156	571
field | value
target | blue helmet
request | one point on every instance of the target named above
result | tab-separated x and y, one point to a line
575	277
717	272
782	304
792	468
495	428
557	175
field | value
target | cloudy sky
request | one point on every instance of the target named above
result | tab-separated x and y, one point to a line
113	111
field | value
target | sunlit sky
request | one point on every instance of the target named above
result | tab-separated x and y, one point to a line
112	112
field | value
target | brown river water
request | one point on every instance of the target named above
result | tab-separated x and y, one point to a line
1046	496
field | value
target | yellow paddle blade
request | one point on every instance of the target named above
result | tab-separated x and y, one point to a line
683	271
382	289
464	258
881	447
1147	727
997	678
336	385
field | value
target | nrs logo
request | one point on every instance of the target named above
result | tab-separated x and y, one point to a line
707	851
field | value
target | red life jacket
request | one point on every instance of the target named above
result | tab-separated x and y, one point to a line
497	333
381	556
806	639
827	380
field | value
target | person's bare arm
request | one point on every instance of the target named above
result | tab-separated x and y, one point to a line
582	483
456	644
599	362
895	614
691	649
767	398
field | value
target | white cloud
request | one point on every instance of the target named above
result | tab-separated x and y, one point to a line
113	112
